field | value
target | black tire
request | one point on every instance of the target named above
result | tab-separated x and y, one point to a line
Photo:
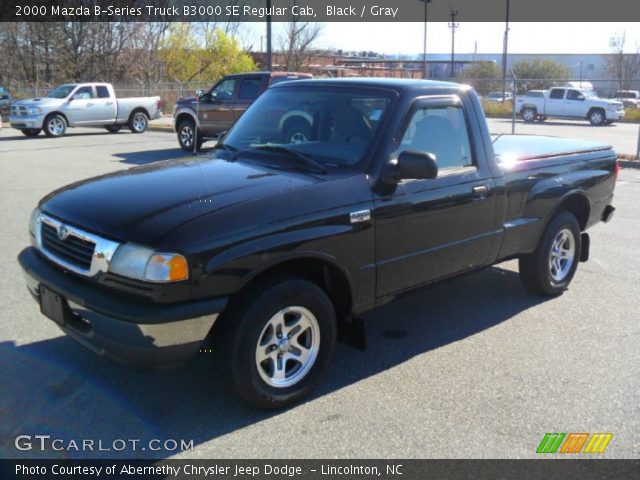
249	322
138	122
54	125
536	269
113	128
31	132
297	131
597	117
528	114
186	132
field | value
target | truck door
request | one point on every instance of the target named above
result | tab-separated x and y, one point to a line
428	229
555	104
81	106
216	113
576	105
105	105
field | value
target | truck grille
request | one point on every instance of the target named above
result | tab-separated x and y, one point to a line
72	249
18	111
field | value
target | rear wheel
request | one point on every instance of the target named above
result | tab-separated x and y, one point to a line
55	125
138	122
279	342
597	117
187	133
113	128
528	115
551	267
31	132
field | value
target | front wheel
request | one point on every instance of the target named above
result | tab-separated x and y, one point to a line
282	339
55	126
551	267
31	132
187	134
138	122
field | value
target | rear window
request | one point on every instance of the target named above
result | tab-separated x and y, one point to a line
557	93
534	94
103	92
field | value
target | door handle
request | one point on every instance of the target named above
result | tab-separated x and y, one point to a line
89	104
109	103
480	191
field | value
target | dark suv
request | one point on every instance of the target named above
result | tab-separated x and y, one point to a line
209	114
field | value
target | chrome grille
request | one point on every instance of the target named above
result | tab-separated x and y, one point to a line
18	110
71	249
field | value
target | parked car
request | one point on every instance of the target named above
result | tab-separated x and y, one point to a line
571	103
207	115
5	101
499	97
83	104
629	98
272	246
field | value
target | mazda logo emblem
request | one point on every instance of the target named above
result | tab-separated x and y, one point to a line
62	232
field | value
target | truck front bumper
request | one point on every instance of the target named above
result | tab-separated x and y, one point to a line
22	122
115	326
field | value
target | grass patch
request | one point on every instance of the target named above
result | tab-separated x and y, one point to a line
631	115
497	109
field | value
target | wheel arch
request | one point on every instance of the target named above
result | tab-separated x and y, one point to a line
136	110
182	115
56	112
318	268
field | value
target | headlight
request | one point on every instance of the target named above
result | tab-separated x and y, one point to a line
141	263
34	221
34	110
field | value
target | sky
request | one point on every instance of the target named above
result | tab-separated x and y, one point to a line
524	37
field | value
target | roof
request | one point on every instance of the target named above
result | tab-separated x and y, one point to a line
393	83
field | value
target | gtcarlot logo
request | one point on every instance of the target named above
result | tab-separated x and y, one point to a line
47	442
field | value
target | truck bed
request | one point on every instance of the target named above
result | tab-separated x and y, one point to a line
513	148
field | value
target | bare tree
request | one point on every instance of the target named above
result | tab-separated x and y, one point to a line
296	43
624	67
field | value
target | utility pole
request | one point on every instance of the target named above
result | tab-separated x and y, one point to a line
453	25
425	73
504	53
269	56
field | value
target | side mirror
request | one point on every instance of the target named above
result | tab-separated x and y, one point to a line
417	164
77	96
581	98
199	93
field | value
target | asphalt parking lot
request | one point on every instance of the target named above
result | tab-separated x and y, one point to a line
474	367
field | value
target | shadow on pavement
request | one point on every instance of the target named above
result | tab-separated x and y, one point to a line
54	387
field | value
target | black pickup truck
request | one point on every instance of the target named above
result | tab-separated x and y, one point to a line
269	249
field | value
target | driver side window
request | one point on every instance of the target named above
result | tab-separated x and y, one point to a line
441	131
224	91
84	93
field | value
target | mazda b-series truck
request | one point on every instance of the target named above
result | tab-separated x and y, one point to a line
271	247
83	105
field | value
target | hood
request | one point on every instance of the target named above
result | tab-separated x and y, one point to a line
39	102
187	100
143	204
607	102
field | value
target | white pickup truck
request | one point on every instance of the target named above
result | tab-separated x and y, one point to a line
83	104
563	102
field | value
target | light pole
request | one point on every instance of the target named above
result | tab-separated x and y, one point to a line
425	73
453	25
269	58
504	53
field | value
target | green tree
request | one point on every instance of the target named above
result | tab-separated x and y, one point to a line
539	74
483	76
213	54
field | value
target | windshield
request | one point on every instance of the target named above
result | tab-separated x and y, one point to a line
626	95
62	91
590	94
495	95
332	126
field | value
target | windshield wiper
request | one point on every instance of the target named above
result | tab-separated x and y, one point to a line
299	156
